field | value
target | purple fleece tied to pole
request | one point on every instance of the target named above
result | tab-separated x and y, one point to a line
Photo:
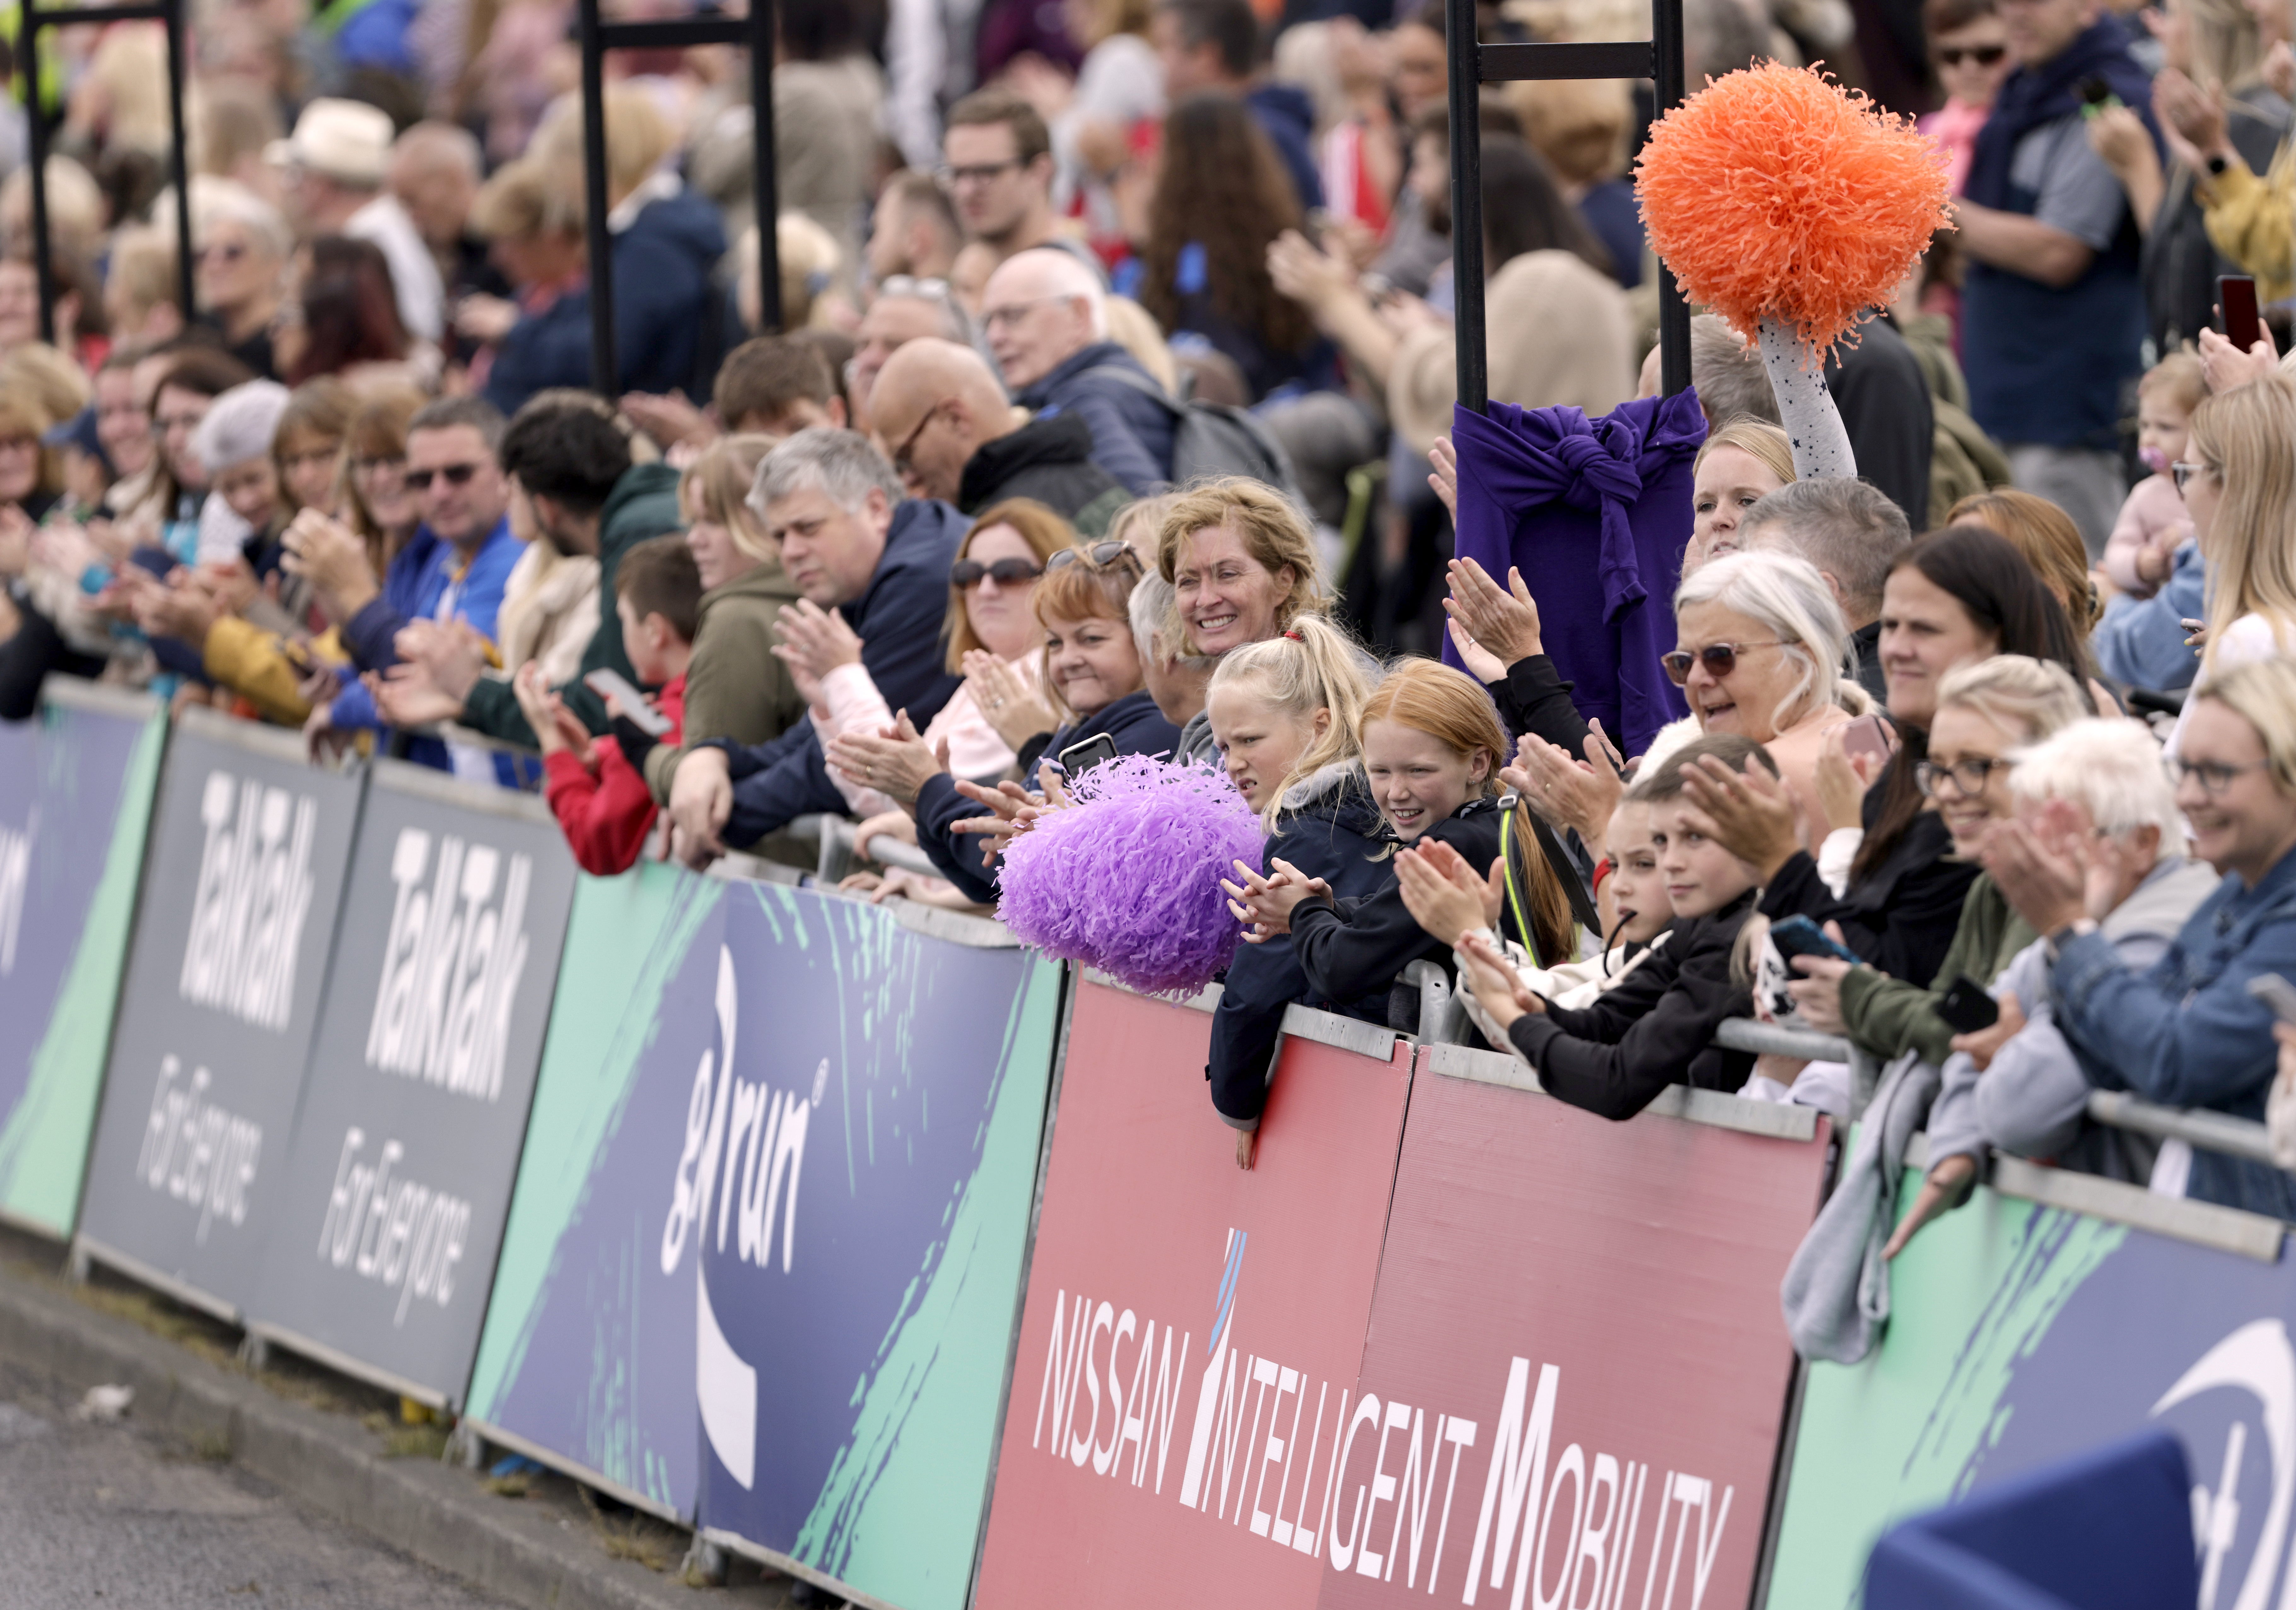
1127	881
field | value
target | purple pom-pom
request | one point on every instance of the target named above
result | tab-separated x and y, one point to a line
1128	881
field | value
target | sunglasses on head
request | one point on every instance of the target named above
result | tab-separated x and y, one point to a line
1007	573
1984	55
1719	658
453	474
1099	555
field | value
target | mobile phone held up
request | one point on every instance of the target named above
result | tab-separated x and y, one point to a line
1799	936
2243	326
1869	734
608	684
1967	1008
1078	759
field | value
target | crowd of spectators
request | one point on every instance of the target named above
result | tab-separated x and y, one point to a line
1110	415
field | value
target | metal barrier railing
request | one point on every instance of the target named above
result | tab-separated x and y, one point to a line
834	836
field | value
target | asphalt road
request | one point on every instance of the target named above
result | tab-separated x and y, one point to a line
108	1515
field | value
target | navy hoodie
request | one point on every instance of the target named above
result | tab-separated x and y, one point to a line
1134	721
1287	117
899	620
1335	834
1131	428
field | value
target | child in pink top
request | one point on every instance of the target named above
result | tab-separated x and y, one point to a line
2154	523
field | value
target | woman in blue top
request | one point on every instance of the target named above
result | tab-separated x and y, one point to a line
2186	1032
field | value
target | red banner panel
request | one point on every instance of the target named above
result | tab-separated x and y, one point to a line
1189	1346
1573	1387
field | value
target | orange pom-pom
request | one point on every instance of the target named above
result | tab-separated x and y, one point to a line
1773	192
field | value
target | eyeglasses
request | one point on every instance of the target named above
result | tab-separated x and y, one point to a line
453	474
1719	658
1101	556
966	573
1984	55
909	442
1013	313
977	173
909	285
1970	776
2182	474
2214	776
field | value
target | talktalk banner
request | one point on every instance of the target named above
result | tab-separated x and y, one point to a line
1576	1375
76	789
589	1354
394	1192
2021	1335
849	1198
231	942
1187	1359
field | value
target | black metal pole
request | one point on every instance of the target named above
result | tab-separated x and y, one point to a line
762	180
37	122
179	161
1465	56
1673	311
603	374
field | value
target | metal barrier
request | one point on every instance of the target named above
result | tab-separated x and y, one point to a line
756	30
170	14
1473	65
834	836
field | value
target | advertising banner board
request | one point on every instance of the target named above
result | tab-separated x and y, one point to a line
1577	1373
393	1194
852	1185
233	931
2020	1334
1194	1330
75	787
587	1358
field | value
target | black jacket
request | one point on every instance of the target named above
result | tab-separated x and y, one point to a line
1336	835
1656	1029
1134	721
1901	916
1351	948
1050	460
1883	397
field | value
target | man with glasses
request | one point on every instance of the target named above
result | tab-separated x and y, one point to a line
1045	318
2053	312
878	565
568	481
997	160
943	419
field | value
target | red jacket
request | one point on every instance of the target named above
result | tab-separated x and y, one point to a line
606	816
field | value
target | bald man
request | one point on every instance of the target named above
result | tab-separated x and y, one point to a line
940	416
1045	318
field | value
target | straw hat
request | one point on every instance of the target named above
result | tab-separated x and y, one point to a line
347	141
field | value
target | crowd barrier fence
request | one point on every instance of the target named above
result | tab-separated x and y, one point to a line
868	1243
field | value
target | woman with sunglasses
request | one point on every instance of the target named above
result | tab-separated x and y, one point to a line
999	563
1092	676
1970	44
2186	1033
1952	598
2240	490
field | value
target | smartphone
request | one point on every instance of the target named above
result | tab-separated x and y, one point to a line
1078	759
2096	95
1799	936
1967	1007
1868	735
2244	327
2275	992
608	684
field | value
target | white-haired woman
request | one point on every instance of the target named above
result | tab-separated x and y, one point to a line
1760	650
2018	1085
240	249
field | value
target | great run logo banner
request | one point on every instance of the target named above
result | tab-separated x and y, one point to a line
1185	1379
75	787
232	936
399	1176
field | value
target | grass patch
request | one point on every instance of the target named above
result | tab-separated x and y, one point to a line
426	1442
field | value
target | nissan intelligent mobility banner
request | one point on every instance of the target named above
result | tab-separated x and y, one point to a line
75	787
1577	1376
394	1192
231	935
1187	1359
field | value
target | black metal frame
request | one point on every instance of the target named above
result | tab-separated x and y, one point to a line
36	20
1474	64
598	37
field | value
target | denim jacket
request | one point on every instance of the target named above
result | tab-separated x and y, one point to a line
2187	1033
